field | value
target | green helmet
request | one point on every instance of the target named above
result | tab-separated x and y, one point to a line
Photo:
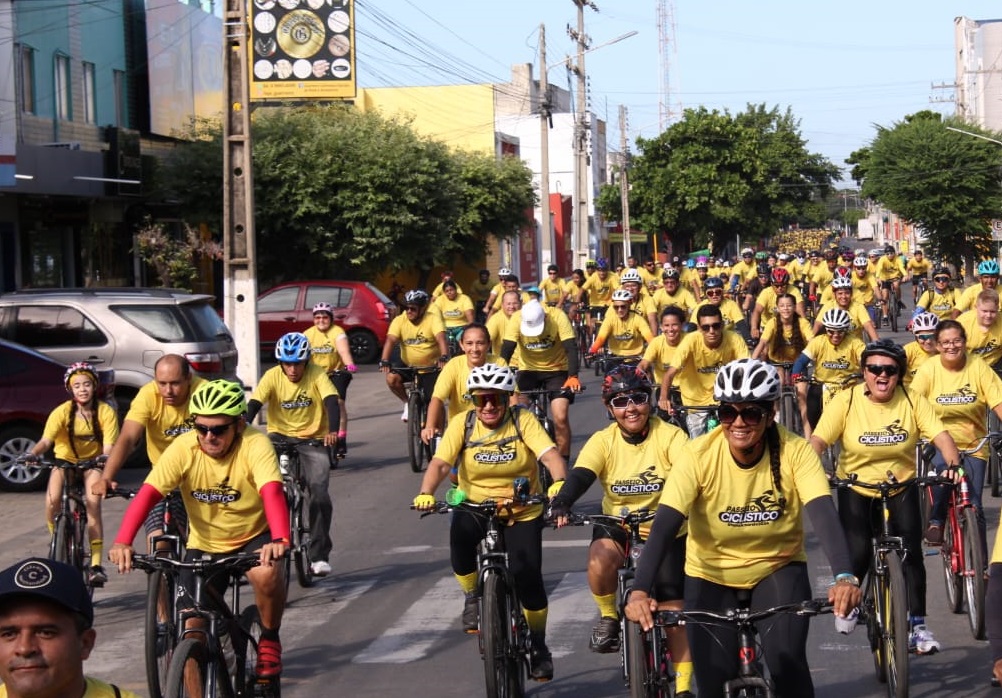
218	397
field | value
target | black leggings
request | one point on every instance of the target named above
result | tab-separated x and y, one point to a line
524	542
861	520
784	636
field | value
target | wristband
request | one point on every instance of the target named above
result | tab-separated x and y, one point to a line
847	577
384	364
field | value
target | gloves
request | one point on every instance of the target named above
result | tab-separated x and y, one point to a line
812	298
423	501
557	510
554	489
351	368
572	383
797	377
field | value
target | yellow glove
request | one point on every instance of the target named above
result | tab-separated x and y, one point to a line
424	501
554	489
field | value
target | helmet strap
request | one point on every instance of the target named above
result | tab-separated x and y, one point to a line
639	437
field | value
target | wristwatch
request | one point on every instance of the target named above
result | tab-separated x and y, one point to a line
846	577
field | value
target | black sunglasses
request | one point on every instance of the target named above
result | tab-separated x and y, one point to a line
711	327
752	416
217	430
881	369
714	292
484	399
941	279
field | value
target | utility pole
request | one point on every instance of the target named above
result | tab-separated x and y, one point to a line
239	258
581	197
624	185
546	245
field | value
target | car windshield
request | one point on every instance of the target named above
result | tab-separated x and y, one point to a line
193	322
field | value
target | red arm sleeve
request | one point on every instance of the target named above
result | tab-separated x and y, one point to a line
276	510
136	514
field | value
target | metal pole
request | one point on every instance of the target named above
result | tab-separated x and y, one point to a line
546	233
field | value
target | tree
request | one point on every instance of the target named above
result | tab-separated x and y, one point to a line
172	258
945	182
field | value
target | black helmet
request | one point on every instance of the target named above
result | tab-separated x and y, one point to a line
714	282
764	269
886	347
624	379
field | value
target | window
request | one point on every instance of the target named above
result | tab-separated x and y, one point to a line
283	300
119	76
338	297
28	79
56	326
90	93
62	84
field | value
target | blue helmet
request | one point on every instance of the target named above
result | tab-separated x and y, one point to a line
690	263
988	267
714	282
292	347
602	263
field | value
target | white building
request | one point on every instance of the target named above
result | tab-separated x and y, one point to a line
978	59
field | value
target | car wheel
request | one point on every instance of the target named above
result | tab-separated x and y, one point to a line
364	347
14	442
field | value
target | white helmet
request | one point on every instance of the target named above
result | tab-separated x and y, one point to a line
747	251
622	295
842	282
746	380
859	252
836	319
504	271
630	275
491	377
925	322
860	262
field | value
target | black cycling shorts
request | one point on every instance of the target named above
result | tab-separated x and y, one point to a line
341	379
669	582
553	381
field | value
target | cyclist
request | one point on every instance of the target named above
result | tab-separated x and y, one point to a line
450	387
743	272
331	351
864	287
651	274
576	299
750	462
47	618
696	282
961	388
228	475
497	290
785	335
553	288
509	283
836	359
440	289
82	428
637	449
481	477
918	352
984	327
890	272
765	301
421	336
988	277
696	362
480	291
456	309
624	330
941	299
660	351
822	275
599	287
642	303
860	323
878	424
672	293
497	325
548	359
917	268
160	410
729	310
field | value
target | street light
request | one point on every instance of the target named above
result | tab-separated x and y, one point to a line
973	135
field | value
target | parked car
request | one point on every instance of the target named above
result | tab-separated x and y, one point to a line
125	329
31	386
360	309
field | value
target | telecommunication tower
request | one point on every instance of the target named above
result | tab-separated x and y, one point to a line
668	56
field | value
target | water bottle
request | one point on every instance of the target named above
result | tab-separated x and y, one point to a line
711	421
283	463
454	496
521	489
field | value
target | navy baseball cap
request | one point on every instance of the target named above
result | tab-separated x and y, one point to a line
48	579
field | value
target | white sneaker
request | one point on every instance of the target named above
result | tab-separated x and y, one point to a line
921	641
403	417
320	568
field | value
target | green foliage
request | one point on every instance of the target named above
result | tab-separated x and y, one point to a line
609	202
945	182
174	258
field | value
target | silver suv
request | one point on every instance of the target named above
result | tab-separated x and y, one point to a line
126	329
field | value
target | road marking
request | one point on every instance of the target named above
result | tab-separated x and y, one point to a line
576	543
570	604
408	549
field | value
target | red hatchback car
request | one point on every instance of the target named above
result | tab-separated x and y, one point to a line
360	309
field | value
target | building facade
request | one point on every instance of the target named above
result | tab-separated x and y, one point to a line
978	65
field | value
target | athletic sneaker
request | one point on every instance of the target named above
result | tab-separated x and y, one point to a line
540	659
605	636
96	577
471	614
921	641
403	417
269	658
320	568
934	534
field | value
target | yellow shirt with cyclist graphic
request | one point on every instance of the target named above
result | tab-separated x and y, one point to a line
960	398
323	347
295	409
632	475
544	352
729	310
834	364
698	364
682	298
454	311
84	435
600	290
877	437
858	317
660	355
986	343
738	532
450	386
163	422
787	352
940	304
418	346
625	337
552	290
493	458
221	495
916	356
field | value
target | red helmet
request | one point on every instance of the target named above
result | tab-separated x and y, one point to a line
780	276
624	379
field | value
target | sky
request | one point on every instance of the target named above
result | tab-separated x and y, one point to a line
840	67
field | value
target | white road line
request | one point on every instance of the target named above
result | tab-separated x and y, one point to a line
576	543
572	612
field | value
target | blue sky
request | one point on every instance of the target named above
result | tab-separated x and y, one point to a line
841	67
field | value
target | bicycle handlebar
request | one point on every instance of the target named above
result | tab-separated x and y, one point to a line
286	443
891	484
83	465
237	563
487	508
630	520
742	616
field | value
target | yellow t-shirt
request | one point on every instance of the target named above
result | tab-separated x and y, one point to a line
600	290
787	352
574	292
941	304
738	534
497	325
858	317
632	475
834	364
917	268
864	289
418	346
493	458
450	386
552	289
877	437
84	435
682	298
454	312
698	365
745	271
984	343
961	398
916	356
544	352
625	337
729	311
659	355
822	276
95	689
323	347
295	409
480	292
889	269
163	423
222	496
767	299
438	290
970	296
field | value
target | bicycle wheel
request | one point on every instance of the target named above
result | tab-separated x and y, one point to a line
160	631
892	313
895	630
974	574
995	470
61	541
191	661
245	648
638	662
301	539
951	554
415	445
502	668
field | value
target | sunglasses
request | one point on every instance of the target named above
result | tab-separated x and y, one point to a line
711	327
751	416
881	369
828	331
621	402
925	337
941	279
410	308
714	292
484	399
217	430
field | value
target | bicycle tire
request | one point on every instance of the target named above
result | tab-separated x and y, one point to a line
995	470
59	548
193	655
246	654
895	639
638	661
974	577
160	632
301	540
893	315
748	687
501	666
951	554
415	446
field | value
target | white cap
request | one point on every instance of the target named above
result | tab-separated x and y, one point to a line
533	319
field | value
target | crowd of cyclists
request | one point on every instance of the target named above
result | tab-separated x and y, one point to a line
695	355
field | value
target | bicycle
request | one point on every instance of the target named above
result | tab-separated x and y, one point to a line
225	633
159	631
504	632
297	495
582	331
994	467
418	451
679	413
606	361
789	407
452	335
751	681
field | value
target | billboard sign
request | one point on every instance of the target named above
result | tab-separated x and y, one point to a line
302	49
